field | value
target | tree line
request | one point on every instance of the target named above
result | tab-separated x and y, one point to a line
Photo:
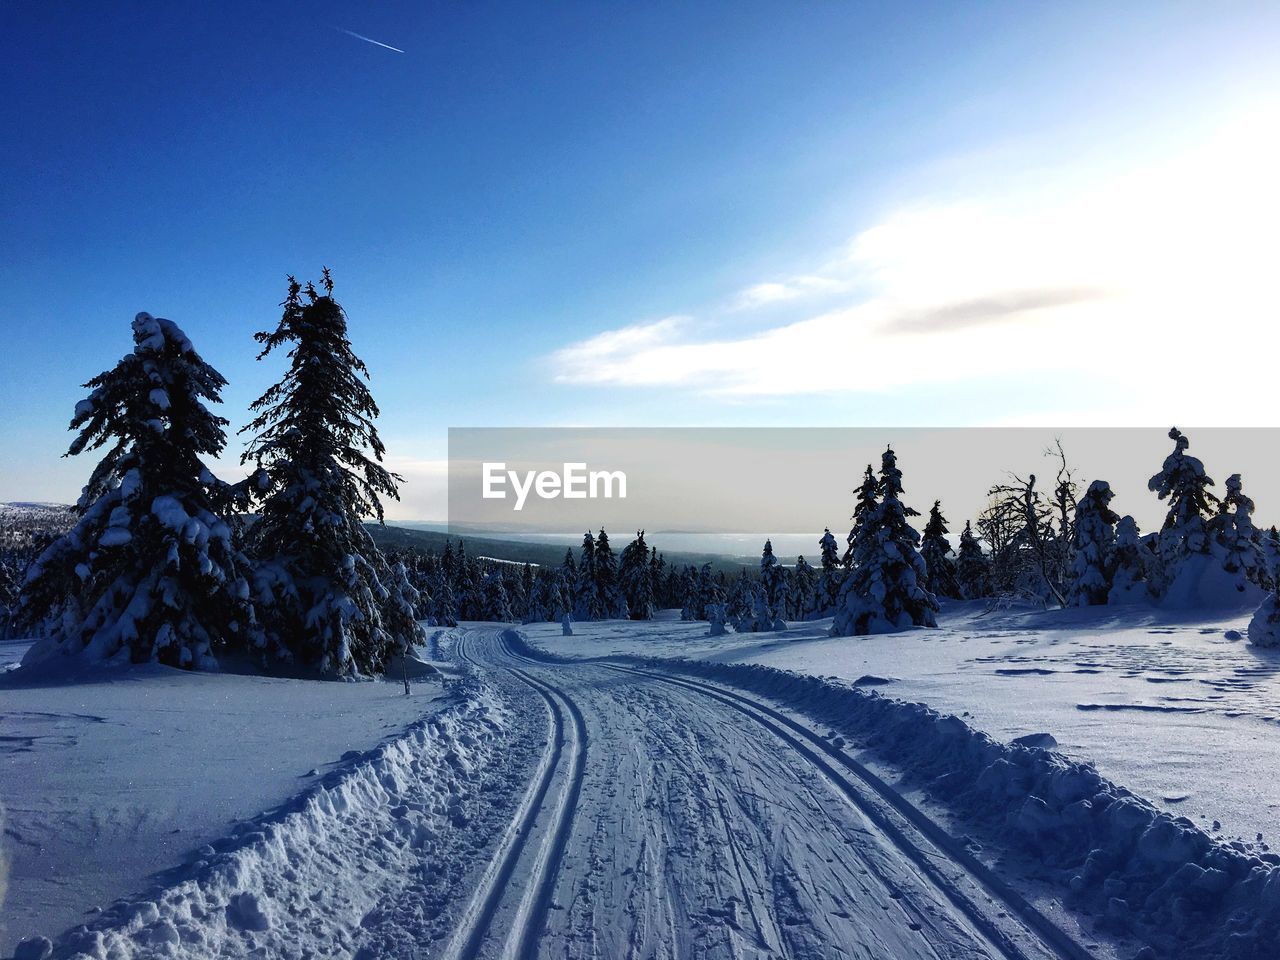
165	562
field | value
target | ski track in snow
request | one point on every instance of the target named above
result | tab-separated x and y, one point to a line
670	818
592	810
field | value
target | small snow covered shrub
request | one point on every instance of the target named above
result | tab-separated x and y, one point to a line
717	617
1205	557
1130	562
1264	628
152	570
1092	568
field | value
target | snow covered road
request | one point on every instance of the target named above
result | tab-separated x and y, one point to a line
668	817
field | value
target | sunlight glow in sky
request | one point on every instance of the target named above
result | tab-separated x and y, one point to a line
1130	272
714	214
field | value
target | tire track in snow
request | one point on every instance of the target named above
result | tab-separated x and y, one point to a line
1039	936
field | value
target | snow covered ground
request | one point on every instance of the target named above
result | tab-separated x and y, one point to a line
1178	708
106	781
719	807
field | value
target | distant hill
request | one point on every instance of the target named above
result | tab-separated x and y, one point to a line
520	551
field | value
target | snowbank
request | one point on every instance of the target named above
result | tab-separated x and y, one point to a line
112	779
298	881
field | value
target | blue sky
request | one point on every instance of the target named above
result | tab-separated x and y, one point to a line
644	214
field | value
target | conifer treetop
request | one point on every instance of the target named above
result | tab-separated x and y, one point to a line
321	412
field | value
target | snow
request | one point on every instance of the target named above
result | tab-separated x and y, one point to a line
540	807
1038	816
112	777
1174	706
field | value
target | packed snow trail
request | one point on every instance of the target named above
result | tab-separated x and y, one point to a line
672	818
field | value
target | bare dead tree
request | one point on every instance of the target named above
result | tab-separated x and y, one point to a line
1065	496
1018	528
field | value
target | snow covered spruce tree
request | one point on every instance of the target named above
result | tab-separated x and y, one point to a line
935	548
689	589
636	575
863	507
885	592
804	585
612	604
1235	541
495	604
1271	549
828	589
326	592
1130	562
586	603
1264	628
773	578
973	567
1094	543
544	598
151	570
1184	535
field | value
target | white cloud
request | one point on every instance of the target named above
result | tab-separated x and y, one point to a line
1142	272
793	288
605	357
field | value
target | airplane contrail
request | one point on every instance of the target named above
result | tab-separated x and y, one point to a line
360	36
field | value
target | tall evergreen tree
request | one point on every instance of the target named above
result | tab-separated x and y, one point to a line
586	602
326	588
774	581
740	603
832	576
973	567
1093	567
935	548
689	588
612	603
885	590
635	573
494	602
804	587
864	505
151	570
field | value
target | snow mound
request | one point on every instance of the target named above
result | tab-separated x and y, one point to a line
1201	583
1264	628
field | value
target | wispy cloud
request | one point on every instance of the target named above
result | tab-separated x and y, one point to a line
361	36
992	308
1124	274
792	288
604	357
